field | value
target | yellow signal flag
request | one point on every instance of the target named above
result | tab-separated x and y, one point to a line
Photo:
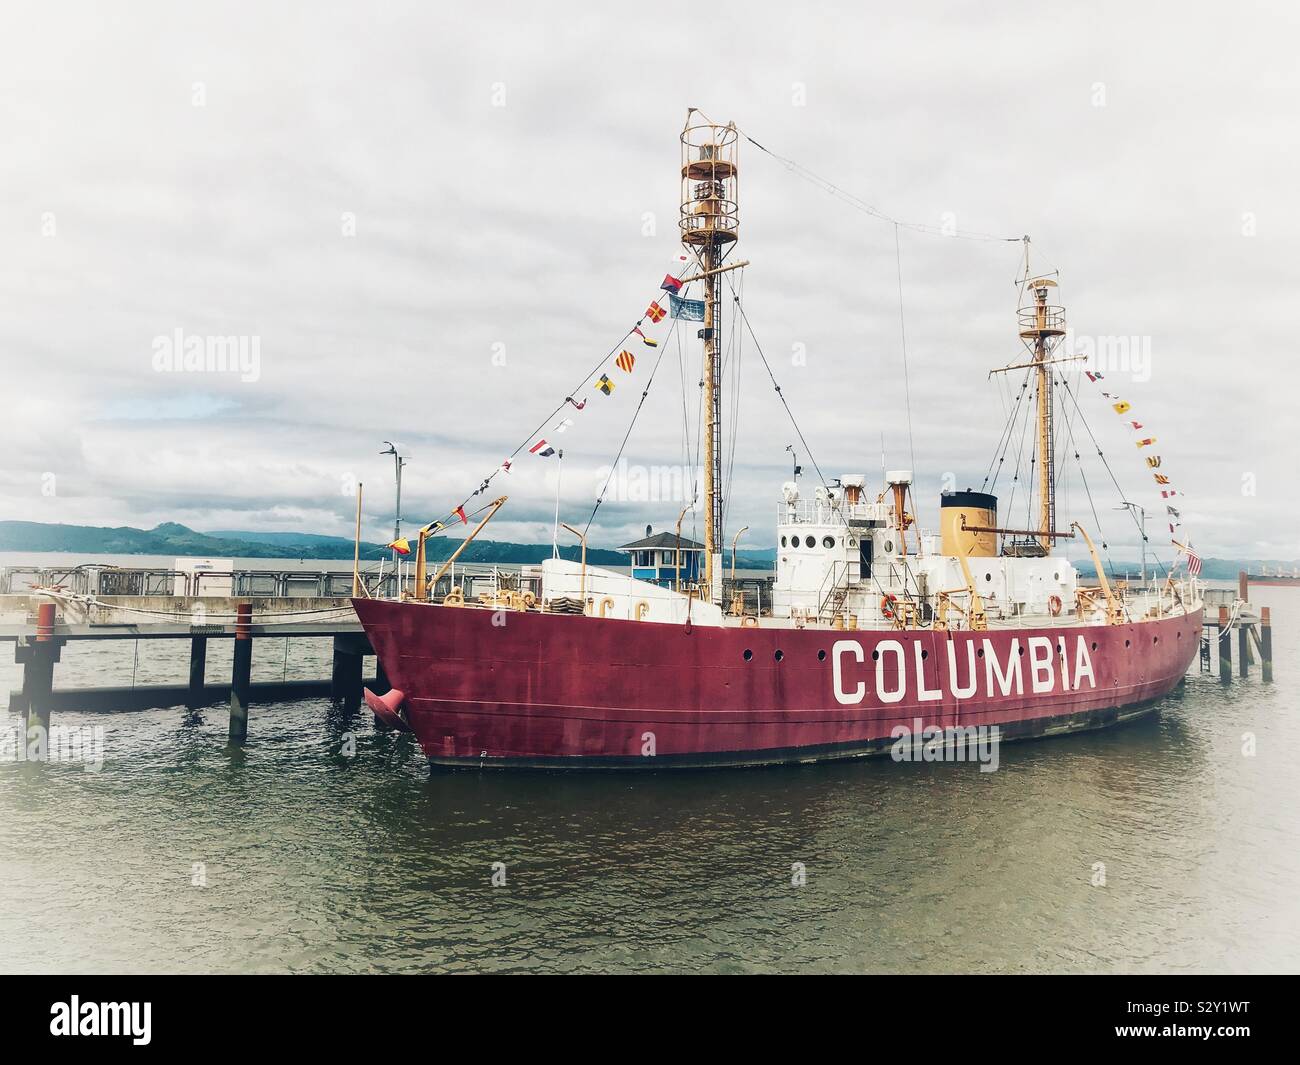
402	546
1122	407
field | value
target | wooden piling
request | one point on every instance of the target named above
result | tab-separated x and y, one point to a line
38	660
1265	643
345	678
198	670
1243	586
241	673
1225	646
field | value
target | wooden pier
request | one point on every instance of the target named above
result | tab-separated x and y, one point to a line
39	640
1229	612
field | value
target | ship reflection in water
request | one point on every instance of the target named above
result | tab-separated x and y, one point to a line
181	855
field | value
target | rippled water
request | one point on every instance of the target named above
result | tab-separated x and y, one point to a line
316	861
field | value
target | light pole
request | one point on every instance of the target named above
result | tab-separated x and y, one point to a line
398	463
1131	507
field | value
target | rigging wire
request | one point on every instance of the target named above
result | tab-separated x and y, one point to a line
1137	522
1092	505
902	330
444	521
780	395
862	205
1020	450
1004	440
631	425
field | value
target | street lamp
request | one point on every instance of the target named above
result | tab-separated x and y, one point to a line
1131	507
398	463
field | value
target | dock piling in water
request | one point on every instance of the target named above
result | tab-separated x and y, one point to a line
1225	646
241	673
1266	643
345	679
198	668
38	657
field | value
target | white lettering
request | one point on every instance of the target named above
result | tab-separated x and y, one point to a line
896	649
922	692
1043	674
839	648
103	1018
1083	664
969	689
1013	671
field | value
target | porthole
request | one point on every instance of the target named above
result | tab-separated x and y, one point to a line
875	656
748	654
1128	643
1094	645
821	656
779	655
924	653
1056	576
889	547
988	576
980	652
783	541
811	541
1180	634
828	541
852	542
1155	639
1020	650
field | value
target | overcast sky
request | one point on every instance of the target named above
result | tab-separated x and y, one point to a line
396	200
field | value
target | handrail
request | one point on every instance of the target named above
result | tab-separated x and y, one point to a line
835	586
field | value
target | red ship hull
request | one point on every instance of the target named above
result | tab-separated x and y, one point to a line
506	688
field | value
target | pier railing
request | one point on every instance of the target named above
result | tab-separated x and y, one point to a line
270	583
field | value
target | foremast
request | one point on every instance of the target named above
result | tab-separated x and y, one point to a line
709	221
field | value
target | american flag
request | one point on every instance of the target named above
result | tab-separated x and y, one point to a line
1193	563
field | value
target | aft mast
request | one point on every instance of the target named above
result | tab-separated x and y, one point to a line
709	221
1042	325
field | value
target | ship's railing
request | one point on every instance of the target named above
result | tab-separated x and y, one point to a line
818	512
1053	319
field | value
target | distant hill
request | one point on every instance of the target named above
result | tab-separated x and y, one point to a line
179	540
173	539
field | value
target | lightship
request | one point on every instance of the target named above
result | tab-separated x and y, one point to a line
873	623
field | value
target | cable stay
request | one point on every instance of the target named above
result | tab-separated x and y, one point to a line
859	204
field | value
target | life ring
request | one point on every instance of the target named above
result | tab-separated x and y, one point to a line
1054	605
887	602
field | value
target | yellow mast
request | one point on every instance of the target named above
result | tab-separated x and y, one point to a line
709	222
1041	327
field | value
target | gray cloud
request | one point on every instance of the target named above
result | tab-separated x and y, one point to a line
522	226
